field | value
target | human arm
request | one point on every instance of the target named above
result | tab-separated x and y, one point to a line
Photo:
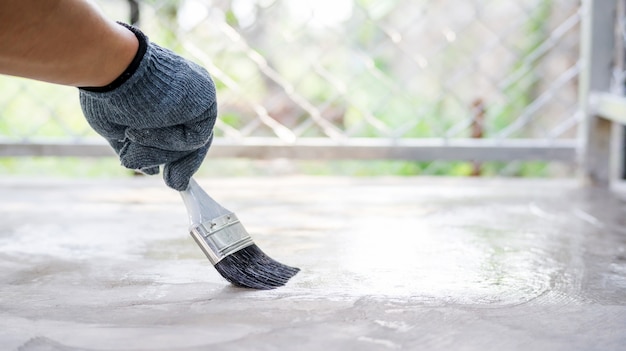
152	106
66	42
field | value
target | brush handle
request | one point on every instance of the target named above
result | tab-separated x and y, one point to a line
215	229
200	206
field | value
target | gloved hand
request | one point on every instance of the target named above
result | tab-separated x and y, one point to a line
161	111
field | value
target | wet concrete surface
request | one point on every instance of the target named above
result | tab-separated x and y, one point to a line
387	264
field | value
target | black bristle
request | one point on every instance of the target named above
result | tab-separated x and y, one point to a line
252	268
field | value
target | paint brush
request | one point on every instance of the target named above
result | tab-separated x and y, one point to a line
228	246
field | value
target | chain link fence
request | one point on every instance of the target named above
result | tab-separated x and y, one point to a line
490	84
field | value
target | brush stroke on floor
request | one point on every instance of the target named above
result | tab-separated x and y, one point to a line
387	264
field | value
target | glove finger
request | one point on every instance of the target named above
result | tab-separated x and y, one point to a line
116	145
135	156
109	130
177	174
113	133
183	137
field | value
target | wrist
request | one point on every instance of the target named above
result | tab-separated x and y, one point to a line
166	90
122	60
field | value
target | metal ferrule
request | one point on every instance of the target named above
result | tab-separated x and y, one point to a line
221	237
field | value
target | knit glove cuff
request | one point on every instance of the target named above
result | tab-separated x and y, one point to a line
162	114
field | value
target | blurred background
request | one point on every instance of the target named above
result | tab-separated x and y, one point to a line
342	87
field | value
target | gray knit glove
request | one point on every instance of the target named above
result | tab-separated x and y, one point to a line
161	111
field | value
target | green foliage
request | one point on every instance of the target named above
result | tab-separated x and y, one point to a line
231	19
521	92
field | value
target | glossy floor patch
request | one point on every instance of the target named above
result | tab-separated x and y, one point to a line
387	263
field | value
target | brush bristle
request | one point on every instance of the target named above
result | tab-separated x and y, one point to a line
252	268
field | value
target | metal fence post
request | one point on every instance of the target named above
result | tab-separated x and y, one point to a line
596	55
134	12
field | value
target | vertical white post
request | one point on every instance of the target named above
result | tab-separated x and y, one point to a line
596	55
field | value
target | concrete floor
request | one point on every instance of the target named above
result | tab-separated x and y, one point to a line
387	264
